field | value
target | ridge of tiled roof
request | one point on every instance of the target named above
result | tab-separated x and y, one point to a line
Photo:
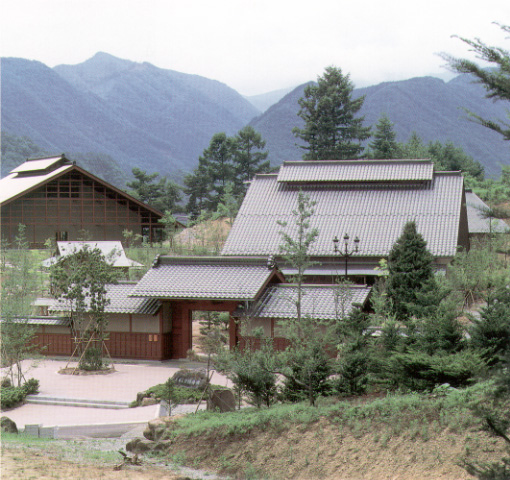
356	171
258	260
318	301
374	213
213	278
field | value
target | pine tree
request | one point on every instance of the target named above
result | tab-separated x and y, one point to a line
410	271
218	159
384	145
248	157
331	131
162	194
215	170
495	80
196	186
414	148
491	332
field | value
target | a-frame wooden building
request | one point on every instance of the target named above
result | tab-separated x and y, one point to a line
55	198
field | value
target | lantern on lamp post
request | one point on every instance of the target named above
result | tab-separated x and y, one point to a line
346	253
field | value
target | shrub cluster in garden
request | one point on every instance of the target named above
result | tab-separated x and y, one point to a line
180	395
13	396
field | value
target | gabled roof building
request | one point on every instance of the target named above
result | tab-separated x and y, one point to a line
54	198
372	200
137	327
479	221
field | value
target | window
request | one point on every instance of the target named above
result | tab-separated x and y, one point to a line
61	236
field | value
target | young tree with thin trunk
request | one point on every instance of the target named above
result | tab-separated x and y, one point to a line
18	290
79	282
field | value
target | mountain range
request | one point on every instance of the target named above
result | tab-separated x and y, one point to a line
139	115
431	107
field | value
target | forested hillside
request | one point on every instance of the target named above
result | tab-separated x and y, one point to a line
138	114
160	120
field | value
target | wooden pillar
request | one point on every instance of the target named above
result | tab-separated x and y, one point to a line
233	328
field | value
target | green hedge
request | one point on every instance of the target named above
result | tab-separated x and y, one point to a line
13	396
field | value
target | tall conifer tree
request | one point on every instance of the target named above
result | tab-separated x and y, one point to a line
384	145
495	80
249	157
410	272
331	131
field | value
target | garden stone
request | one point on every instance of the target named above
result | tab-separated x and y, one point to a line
149	401
222	400
7	425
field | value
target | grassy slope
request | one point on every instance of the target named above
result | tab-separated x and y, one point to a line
397	437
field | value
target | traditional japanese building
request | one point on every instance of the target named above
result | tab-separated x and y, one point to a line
56	199
369	200
137	327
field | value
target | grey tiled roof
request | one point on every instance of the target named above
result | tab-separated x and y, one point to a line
475	207
234	278
376	213
356	171
51	321
121	301
318	301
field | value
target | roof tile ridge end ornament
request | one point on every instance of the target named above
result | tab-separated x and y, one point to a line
452	173
155	262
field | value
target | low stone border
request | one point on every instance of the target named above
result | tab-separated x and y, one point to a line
77	371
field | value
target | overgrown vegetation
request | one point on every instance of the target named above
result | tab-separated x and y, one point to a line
449	407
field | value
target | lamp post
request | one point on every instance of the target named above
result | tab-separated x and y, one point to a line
346	252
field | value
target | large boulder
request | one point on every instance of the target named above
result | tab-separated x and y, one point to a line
221	400
190	378
7	425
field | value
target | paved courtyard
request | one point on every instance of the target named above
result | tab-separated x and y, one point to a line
122	385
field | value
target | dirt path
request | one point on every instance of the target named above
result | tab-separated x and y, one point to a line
26	464
85	460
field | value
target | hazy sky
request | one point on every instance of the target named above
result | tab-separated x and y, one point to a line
255	46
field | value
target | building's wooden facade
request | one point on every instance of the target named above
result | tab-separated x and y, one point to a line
140	337
66	202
